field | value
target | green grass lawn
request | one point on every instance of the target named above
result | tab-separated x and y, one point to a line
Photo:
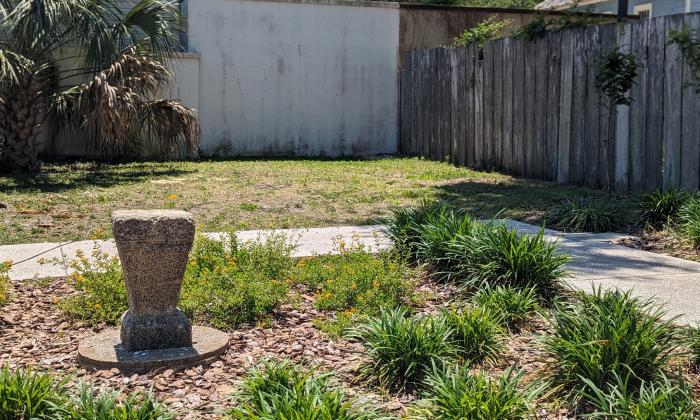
74	201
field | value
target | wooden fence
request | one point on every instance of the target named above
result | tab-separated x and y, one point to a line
531	108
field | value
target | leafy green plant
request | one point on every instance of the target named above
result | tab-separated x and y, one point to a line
101	294
282	390
482	32
615	72
534	29
455	393
584	214
477	333
497	255
5	282
658	208
231	284
659	399
356	280
109	405
604	334
513	306
689	221
686	40
26	394
401	350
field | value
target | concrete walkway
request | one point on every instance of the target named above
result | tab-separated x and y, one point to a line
595	260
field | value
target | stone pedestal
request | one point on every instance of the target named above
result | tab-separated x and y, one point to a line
153	248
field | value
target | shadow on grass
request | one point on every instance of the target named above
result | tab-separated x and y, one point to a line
77	175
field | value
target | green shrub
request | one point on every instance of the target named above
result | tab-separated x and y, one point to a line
605	334
658	208
513	306
281	390
477	334
454	393
689	221
26	394
484	31
586	215
5	283
229	284
401	350
109	405
226	284
99	283
497	255
660	399
356	280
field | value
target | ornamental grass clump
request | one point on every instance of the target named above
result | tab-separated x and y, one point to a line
663	398
513	306
282	390
496	255
584	214
689	221
27	394
405	227
606	334
401	350
455	393
109	405
692	341
658	209
477	334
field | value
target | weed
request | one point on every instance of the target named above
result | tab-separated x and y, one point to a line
401	350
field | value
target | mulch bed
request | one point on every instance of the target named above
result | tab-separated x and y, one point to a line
661	242
33	333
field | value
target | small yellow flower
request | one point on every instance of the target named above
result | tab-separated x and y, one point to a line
98	306
353	286
80	278
172	197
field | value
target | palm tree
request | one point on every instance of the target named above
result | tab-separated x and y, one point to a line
87	65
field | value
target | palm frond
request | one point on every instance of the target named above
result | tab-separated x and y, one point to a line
170	124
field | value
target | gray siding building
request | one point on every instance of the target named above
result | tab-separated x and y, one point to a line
644	8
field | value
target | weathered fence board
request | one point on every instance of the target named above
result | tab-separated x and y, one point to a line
532	108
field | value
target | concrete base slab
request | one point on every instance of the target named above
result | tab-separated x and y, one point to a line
105	351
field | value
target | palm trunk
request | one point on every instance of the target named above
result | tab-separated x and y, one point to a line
21	137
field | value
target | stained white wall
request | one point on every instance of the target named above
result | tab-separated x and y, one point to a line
279	78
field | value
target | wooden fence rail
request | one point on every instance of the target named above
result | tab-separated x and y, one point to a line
531	108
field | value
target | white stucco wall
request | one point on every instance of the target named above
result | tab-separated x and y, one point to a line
281	78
